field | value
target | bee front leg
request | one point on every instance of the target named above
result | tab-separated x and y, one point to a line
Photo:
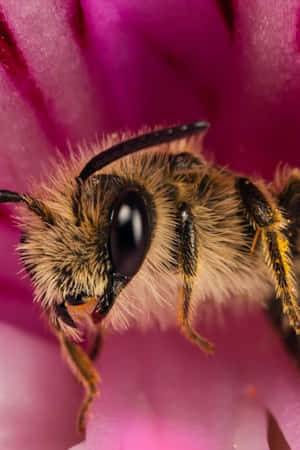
83	369
188	259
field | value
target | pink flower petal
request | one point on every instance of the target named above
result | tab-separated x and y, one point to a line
158	386
80	446
153	57
69	109
258	122
39	398
250	431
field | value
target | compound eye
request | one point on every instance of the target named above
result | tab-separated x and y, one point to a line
129	234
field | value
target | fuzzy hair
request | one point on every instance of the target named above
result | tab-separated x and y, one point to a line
226	271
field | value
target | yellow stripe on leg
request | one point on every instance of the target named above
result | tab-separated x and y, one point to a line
278	259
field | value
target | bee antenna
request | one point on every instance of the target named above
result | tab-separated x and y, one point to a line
139	143
33	204
10	197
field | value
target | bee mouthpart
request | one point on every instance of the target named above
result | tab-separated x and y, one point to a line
103	306
97	315
82	308
64	315
73	313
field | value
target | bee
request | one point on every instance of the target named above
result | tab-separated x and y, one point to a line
126	237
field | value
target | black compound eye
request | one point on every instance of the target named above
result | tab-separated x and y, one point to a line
129	234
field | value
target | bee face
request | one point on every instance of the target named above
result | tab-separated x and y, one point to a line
95	245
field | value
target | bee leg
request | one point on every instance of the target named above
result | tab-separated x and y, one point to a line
188	259
84	371
96	347
264	216
184	321
289	201
278	259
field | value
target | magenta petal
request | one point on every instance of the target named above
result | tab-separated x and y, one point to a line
250	429
80	446
61	93
258	122
16	296
162	62
39	398
159	389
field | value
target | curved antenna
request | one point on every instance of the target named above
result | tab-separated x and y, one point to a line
36	206
10	197
139	143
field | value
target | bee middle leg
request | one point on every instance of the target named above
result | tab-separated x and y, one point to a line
269	224
188	259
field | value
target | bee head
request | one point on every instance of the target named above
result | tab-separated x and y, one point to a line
83	243
93	246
